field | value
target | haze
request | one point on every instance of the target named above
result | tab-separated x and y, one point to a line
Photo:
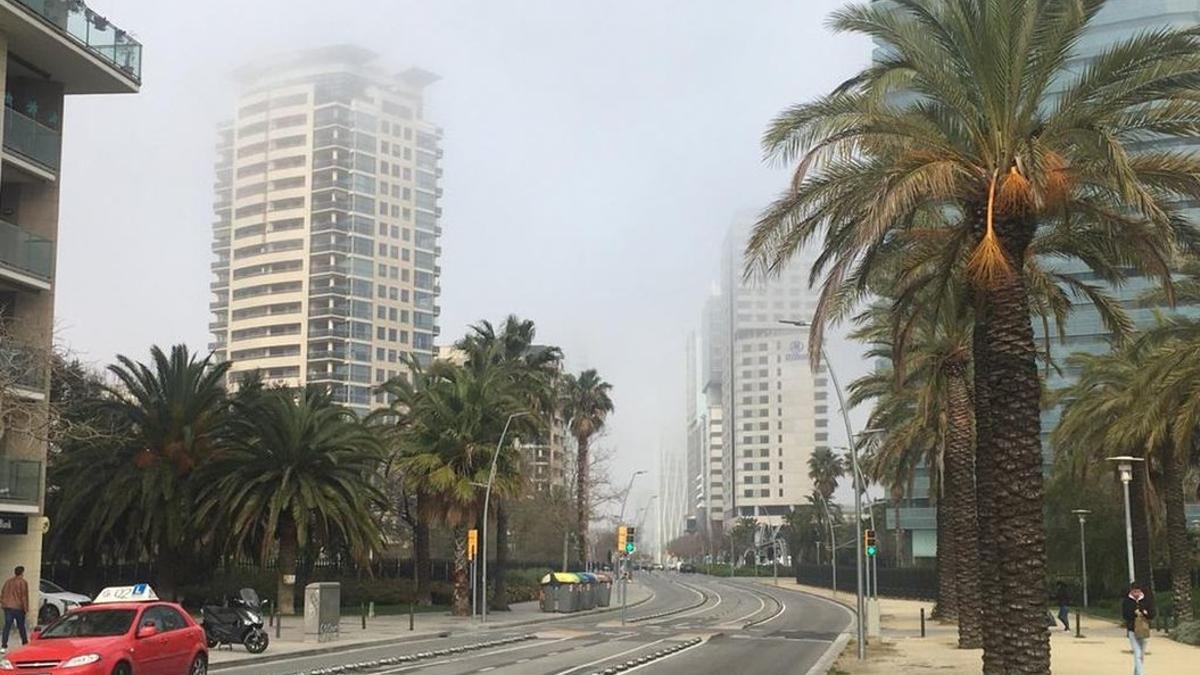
595	154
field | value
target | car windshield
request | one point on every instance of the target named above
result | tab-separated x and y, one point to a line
51	587
96	623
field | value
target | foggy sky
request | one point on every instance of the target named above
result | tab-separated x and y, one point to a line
595	153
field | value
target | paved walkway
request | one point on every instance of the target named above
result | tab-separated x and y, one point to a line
1103	650
386	629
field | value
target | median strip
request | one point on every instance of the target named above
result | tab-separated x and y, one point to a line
648	658
419	656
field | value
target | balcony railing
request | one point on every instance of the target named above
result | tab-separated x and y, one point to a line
20	481
29	137
26	252
21	366
93	31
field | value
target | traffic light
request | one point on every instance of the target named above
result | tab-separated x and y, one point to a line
631	540
872	544
621	535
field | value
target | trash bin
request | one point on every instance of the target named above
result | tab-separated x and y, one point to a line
603	589
587	590
560	592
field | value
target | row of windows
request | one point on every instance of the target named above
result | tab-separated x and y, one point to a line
269	247
278	351
281	163
277	123
270	268
761	493
762	480
278	184
266	310
273	205
274	144
268	289
281	225
265	331
275	102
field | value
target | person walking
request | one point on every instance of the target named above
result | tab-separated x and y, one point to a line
1063	597
14	598
1137	609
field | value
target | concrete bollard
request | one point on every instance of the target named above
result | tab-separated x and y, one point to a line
922	622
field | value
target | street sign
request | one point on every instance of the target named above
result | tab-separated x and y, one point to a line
12	523
472	543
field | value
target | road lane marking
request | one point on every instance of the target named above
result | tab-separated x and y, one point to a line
475	655
611	657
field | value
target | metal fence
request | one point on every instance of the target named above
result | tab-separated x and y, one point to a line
905	582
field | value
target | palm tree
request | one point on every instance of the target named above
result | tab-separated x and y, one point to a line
824	470
586	404
534	370
297	469
454	426
974	110
174	409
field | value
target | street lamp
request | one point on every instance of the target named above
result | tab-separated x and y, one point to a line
626	497
487	496
1125	467
858	535
1083	514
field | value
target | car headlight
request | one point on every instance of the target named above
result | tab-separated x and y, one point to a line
5	664
81	660
70	604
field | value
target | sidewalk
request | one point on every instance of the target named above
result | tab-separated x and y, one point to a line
1104	649
391	629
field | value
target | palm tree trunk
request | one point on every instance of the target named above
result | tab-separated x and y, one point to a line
1014	443
499	601
167	579
581	500
461	602
424	571
989	575
1177	535
960	497
285	566
1139	516
946	606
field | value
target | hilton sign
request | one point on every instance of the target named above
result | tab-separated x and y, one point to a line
796	351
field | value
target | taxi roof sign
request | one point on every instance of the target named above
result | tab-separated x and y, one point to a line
135	593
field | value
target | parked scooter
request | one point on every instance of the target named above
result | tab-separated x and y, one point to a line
238	622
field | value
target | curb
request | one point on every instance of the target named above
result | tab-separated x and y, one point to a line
823	664
401	639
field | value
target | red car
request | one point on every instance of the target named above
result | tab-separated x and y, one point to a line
146	637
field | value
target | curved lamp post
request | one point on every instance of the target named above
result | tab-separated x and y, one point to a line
487	497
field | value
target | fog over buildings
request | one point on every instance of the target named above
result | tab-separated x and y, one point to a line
595	155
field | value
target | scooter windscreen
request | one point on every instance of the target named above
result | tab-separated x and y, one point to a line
250	597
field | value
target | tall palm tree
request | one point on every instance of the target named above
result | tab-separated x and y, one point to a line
534	370
974	110
173	409
586	404
297	469
454	426
824	470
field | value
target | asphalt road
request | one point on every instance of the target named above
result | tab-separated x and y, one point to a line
694	625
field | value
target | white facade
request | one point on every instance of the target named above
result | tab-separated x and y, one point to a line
326	236
775	408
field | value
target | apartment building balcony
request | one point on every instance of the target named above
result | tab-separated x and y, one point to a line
20	484
73	45
334	289
23	370
335	332
31	140
25	258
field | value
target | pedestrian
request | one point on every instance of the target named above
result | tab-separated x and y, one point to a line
14	598
1137	609
1063	597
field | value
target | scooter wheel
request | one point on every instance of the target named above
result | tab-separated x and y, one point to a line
256	641
212	643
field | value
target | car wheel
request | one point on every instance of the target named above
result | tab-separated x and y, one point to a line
48	614
256	641
199	666
122	669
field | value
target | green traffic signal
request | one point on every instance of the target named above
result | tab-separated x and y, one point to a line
629	547
871	550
